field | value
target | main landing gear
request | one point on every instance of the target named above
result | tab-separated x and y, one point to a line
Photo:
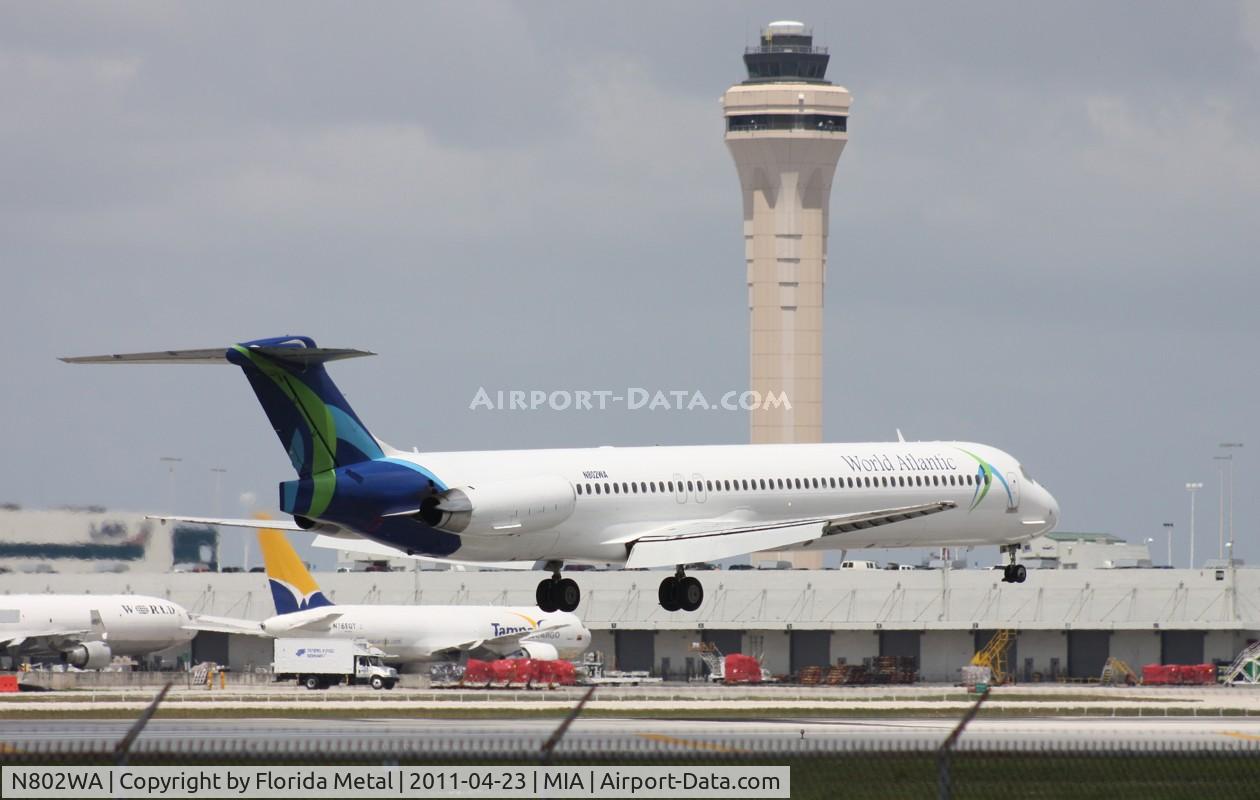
556	593
1013	573
680	592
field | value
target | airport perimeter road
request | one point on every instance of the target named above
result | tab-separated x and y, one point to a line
637	735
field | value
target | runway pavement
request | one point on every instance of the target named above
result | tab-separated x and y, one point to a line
619	735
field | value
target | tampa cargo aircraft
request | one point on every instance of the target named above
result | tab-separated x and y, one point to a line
406	633
636	506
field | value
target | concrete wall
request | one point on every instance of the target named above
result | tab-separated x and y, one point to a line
603	642
943	653
777	653
854	646
1041	646
676	647
1136	648
249	653
1225	645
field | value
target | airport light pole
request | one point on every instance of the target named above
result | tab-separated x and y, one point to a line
1168	528
1221	512
1230	446
218	488
170	462
1192	488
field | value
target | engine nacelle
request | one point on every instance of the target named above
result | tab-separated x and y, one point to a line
540	651
501	507
316	526
89	655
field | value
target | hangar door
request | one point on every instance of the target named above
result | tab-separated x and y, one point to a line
904	644
210	646
810	649
1087	653
635	650
1181	647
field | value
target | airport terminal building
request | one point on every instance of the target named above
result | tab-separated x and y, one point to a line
1099	601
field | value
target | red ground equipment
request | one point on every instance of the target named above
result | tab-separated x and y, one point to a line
738	668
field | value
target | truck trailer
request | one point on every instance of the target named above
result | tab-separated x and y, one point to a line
320	663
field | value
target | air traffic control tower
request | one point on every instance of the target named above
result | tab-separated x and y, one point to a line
786	127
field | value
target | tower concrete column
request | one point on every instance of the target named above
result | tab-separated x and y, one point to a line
786	127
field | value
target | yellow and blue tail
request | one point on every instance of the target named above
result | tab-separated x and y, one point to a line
292	587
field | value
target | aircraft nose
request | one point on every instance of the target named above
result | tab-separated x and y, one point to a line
1052	509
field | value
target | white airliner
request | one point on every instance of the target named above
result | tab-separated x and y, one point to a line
88	630
637	506
407	633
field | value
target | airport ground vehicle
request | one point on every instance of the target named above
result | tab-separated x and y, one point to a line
320	663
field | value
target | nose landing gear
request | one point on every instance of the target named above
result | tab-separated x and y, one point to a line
680	591
1013	573
556	593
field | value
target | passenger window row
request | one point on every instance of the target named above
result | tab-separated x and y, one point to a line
779	484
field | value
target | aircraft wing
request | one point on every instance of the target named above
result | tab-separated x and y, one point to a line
274	524
209	624
41	639
506	643
370	548
712	539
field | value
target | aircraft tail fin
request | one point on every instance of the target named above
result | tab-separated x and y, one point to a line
308	412
292	587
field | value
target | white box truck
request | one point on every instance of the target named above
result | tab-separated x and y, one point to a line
320	663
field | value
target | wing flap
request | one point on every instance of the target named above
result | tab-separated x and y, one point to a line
710	540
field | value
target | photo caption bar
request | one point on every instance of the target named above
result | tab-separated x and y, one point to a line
383	781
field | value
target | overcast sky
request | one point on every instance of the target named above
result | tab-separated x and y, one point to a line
1044	234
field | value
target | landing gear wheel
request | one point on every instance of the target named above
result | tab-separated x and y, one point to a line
545	595
668	594
566	594
1013	573
690	594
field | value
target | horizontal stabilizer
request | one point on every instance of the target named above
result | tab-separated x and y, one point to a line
209	624
312	620
300	356
273	524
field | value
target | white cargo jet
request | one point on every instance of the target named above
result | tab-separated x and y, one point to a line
637	506
88	630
